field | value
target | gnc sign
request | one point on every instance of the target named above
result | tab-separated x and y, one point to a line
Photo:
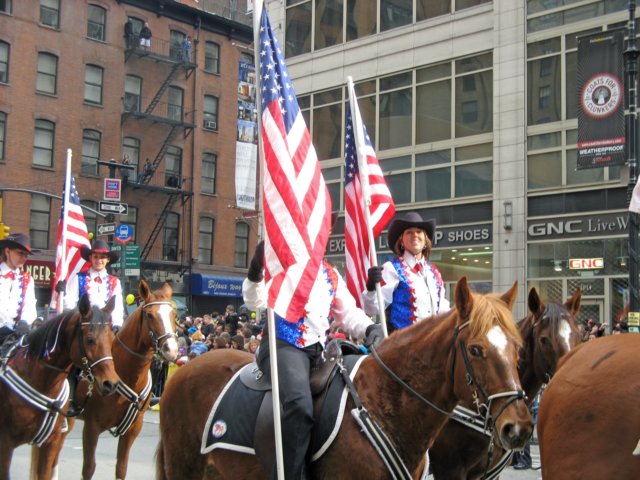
586	263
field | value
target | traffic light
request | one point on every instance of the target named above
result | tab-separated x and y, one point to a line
4	231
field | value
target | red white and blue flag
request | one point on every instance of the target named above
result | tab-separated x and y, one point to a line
72	231
381	206
296	202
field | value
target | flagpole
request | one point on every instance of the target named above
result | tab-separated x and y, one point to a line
63	242
366	196
271	322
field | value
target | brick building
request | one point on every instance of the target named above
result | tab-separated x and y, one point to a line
69	80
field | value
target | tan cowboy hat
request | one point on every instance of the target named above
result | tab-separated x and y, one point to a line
410	220
18	240
99	246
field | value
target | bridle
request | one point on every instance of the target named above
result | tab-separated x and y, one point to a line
155	338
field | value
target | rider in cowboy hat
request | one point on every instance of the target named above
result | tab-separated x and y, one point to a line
411	285
96	282
18	306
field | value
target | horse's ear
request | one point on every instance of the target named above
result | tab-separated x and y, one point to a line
573	303
167	290
463	298
144	291
110	306
509	297
84	305
535	304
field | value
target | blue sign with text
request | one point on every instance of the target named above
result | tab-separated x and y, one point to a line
124	232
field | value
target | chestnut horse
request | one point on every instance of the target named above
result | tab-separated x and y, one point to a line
470	351
34	389
549	331
589	420
149	329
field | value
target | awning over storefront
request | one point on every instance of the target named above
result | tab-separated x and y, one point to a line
215	286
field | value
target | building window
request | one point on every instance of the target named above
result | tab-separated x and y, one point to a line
170	238
395	111
211	57
132	93
173	167
328	24
210	112
298	28
175	104
242	245
208	174
5	6
544	97
90	217
175	44
96	22
90	152
4	62
3	130
50	13
43	143
395	13
47	73
39	221
93	76
131	147
205	241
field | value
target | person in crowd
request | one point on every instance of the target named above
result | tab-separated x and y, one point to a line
17	289
96	282
147	171
125	171
411	286
128	33
145	36
186	49
299	346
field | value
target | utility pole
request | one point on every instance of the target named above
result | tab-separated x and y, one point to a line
631	68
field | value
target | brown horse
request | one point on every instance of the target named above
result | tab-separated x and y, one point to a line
549	331
34	389
589	420
149	329
432	361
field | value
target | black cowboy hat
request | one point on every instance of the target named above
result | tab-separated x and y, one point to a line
99	246
18	240
410	220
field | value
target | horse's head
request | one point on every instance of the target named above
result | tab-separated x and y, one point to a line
159	314
486	347
554	332
90	347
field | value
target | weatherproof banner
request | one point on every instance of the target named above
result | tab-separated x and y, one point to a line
601	130
247	138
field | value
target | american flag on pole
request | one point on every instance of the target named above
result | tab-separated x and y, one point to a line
381	207
296	203
75	236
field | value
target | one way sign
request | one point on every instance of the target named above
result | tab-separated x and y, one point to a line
106	229
119	208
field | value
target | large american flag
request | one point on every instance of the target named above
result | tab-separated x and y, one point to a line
381	208
297	205
75	237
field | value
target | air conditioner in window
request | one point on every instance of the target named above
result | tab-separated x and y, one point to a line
211	124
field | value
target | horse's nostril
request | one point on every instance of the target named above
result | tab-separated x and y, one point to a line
108	387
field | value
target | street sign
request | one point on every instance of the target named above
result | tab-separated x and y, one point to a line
106	229
108	207
112	189
124	232
130	257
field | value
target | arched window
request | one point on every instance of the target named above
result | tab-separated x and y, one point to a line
43	142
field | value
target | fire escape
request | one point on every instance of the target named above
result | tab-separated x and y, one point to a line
171	119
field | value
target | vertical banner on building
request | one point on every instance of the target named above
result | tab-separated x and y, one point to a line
247	138
601	134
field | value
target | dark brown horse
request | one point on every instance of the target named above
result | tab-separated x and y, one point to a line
33	382
589	420
149	329
477	339
549	331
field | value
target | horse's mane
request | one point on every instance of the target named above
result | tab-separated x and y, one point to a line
46	335
487	310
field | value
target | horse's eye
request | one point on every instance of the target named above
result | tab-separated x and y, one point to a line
475	351
91	340
545	341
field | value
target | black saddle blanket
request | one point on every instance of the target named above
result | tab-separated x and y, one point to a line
231	422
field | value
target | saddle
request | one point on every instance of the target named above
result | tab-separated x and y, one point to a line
252	392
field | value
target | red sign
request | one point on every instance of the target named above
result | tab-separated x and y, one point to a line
586	263
42	272
112	189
